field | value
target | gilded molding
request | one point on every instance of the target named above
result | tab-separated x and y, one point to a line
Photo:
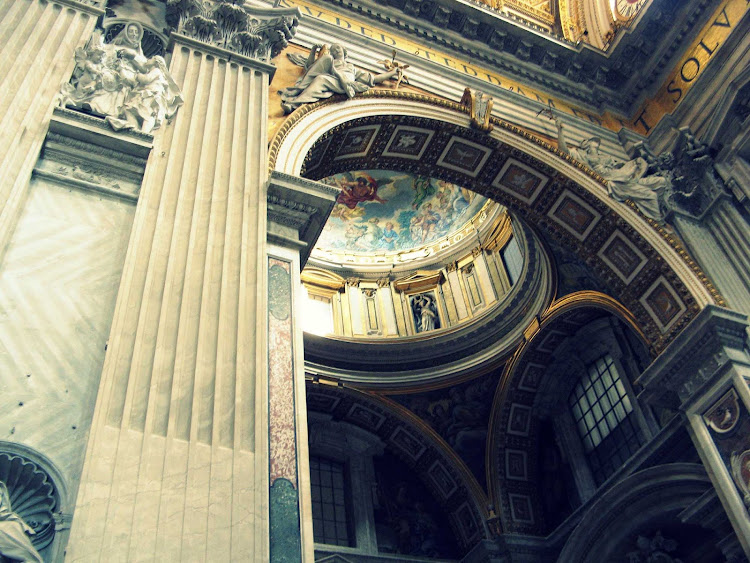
421	280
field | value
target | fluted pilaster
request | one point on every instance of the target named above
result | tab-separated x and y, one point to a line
177	466
37	42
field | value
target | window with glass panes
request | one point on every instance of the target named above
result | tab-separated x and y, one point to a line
329	502
604	416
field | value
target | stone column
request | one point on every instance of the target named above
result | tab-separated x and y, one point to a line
37	41
704	374
297	211
177	463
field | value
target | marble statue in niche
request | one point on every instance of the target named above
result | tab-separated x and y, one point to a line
14	540
425	313
117	81
328	72
625	179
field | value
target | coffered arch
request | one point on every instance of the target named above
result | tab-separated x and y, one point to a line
527	390
642	264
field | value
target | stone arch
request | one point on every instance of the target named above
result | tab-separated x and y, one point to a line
642	264
660	492
514	432
418	446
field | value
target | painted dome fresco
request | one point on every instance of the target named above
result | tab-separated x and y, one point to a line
394	213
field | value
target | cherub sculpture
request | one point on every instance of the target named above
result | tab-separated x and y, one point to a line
326	74
117	81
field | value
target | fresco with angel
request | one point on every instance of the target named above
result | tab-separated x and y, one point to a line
382	210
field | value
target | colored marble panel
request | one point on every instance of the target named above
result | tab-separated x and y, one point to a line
285	544
519	420
408	443
442	479
515	465
663	303
467	522
282	443
728	422
531	378
364	417
622	256
573	215
551	341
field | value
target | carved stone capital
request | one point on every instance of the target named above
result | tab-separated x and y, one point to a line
257	33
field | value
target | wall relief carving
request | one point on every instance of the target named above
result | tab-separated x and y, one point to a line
117	81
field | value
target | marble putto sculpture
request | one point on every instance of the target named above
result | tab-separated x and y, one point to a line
117	81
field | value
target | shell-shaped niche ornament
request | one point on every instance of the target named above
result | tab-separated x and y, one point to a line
32	496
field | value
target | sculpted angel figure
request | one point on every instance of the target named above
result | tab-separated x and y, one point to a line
331	73
14	541
625	179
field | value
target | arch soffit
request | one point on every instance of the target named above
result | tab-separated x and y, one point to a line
415	443
642	264
513	431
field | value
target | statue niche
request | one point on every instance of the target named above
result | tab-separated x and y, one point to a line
117	81
27	504
424	311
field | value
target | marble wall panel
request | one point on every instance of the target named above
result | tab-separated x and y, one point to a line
58	283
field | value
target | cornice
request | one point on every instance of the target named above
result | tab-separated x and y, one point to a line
616	79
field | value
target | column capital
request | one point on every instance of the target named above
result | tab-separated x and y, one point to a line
297	211
257	34
696	360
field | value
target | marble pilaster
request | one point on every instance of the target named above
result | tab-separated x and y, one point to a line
704	375
177	461
297	211
37	42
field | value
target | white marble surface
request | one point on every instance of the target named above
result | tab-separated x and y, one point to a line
58	283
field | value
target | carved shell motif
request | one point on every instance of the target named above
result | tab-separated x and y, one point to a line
32	496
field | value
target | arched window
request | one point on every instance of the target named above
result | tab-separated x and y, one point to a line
603	414
589	398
